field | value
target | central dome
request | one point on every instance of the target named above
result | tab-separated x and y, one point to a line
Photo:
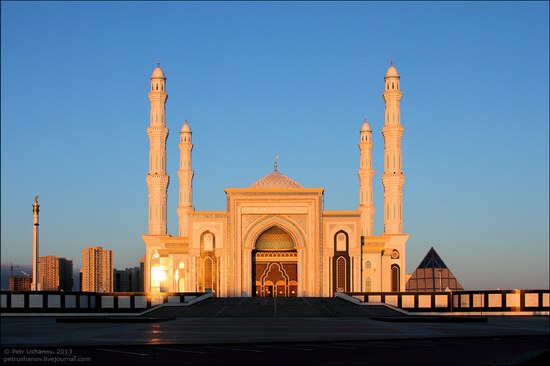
275	180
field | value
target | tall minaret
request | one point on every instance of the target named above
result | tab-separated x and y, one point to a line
35	285
365	172
393	178
185	173
157	179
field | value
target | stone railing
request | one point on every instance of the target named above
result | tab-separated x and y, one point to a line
60	302
529	302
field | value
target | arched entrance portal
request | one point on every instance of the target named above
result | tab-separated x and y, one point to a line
275	264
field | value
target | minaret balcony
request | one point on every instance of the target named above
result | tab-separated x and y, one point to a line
157	180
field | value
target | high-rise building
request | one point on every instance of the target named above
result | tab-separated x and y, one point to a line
48	269
20	283
129	279
56	274
65	274
97	270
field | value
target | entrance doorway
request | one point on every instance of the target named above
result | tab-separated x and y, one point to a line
275	276
275	265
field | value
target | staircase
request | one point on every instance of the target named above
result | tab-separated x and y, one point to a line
275	307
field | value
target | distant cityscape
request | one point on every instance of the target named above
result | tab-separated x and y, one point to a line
96	275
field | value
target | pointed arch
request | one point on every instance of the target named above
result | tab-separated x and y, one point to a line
257	228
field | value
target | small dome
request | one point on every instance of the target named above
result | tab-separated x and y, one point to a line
392	72
158	73
275	180
366	127
185	127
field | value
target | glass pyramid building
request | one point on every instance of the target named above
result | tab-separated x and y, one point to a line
432	275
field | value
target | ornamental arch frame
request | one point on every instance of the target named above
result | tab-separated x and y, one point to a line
251	235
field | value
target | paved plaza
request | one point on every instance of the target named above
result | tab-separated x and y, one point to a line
333	329
41	331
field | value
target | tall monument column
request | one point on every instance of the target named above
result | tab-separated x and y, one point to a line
392	178
366	173
157	179
185	174
35	285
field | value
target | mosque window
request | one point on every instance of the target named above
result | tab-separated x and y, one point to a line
395	280
368	264
208	273
157	86
368	284
341	274
392	85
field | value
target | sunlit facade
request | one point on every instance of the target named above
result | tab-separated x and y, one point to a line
274	238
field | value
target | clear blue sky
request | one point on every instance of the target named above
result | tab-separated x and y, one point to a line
294	79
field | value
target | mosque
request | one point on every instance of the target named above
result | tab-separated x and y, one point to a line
274	237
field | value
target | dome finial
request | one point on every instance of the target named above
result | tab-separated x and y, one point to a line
185	127
392	71
158	73
366	126
275	163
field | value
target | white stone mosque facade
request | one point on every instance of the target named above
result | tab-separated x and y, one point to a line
275	238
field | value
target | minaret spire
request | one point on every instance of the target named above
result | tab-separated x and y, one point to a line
157	179
35	285
185	174
366	173
392	178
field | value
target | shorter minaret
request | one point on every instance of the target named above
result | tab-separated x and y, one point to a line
366	173
35	285
185	174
